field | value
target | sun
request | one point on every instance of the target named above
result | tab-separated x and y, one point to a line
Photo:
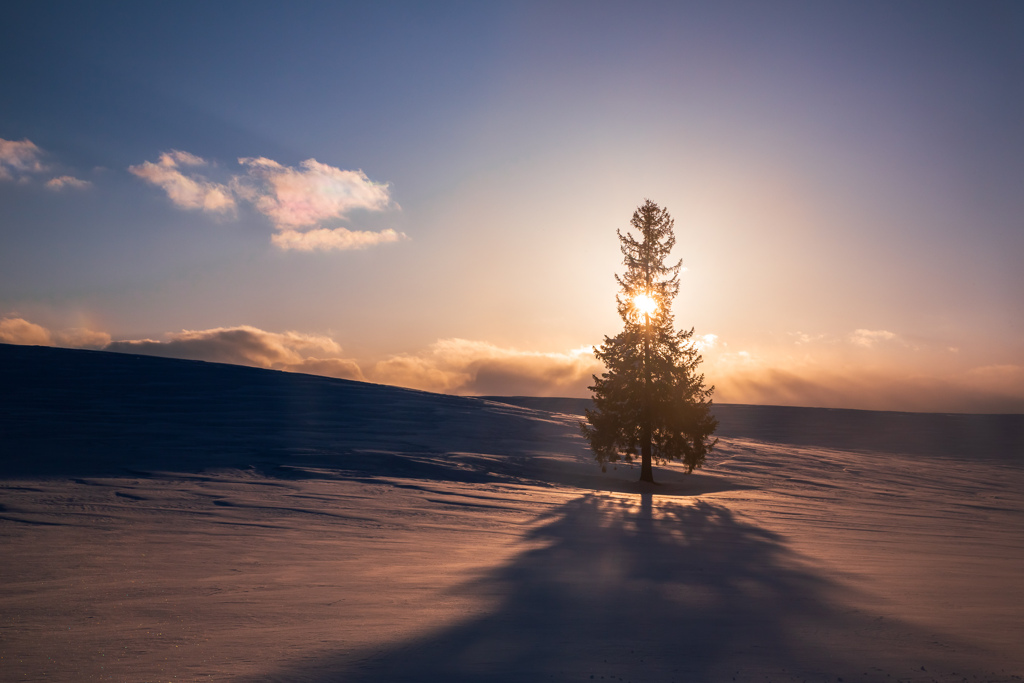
645	304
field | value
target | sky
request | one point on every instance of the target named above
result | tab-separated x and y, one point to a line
427	194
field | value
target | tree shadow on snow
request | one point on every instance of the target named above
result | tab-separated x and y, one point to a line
620	588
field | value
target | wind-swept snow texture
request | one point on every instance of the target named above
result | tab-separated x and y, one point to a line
178	520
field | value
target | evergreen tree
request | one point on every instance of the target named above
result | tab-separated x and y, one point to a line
651	401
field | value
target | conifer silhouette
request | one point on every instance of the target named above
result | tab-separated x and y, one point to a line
650	401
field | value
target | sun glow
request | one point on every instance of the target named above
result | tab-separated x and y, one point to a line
645	304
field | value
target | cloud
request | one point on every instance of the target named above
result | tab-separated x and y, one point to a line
868	338
1006	379
18	158
804	338
21	331
81	338
460	366
309	195
705	341
844	380
468	367
187	191
869	390
323	239
298	201
63	181
245	345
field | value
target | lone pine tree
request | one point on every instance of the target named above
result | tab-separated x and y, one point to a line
651	401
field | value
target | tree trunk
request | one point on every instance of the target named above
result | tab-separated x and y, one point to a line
646	473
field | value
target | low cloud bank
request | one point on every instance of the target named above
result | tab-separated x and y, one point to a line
461	366
252	346
834	381
455	366
297	201
21	331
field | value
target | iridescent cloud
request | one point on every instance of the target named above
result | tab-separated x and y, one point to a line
306	196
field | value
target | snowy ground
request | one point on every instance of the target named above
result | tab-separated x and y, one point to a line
164	520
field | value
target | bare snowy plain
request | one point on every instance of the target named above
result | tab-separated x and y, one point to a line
173	520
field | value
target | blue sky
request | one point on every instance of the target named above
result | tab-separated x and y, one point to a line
846	180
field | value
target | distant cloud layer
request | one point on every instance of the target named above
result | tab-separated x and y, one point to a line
298	201
461	366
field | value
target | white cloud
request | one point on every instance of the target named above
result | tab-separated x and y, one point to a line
191	191
705	341
868	338
324	239
298	201
18	158
63	181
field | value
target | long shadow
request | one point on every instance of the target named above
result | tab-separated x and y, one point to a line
626	589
